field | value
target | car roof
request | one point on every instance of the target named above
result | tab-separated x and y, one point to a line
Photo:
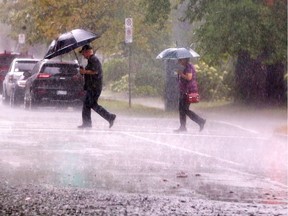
26	59
54	61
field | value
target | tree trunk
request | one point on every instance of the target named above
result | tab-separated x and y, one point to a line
257	83
276	85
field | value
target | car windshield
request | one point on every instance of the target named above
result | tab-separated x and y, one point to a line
24	66
59	69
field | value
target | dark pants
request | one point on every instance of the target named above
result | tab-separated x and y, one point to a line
91	102
184	110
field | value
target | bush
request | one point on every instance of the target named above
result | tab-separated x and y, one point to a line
114	70
146	80
121	85
213	84
146	90
149	82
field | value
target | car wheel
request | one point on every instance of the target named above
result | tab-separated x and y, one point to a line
26	102
5	97
28	105
13	100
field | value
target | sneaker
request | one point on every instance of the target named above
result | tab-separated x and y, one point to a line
111	121
201	125
181	129
84	126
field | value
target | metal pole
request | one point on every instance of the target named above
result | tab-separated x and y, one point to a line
129	73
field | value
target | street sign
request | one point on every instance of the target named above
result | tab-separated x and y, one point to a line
129	22
21	38
128	30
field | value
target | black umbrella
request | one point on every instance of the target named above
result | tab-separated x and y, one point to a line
69	41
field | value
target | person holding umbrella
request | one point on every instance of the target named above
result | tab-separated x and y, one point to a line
187	84
93	86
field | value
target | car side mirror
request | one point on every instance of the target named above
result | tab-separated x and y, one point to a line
26	74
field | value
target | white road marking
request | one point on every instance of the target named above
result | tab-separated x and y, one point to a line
207	156
237	126
181	149
61	130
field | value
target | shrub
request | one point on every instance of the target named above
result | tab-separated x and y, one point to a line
121	85
114	69
213	84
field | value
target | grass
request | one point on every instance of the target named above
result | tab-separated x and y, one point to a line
219	106
135	109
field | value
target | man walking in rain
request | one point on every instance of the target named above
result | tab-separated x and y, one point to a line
93	86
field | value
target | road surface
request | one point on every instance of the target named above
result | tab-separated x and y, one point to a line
237	159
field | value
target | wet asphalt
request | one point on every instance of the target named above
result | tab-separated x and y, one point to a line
237	164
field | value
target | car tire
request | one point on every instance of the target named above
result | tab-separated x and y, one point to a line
5	97
29	102
13	100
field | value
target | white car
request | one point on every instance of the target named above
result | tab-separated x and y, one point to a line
14	82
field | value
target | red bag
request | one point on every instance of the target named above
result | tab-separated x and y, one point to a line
193	97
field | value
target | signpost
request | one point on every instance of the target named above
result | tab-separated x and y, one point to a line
128	41
21	38
128	30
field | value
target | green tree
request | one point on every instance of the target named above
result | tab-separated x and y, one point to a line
254	32
46	19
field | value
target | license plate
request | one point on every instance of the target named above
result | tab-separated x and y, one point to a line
61	92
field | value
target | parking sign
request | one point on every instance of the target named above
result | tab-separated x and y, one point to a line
128	30
21	38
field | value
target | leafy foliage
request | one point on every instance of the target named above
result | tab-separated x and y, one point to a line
228	28
231	26
44	20
152	10
248	25
214	84
115	69
121	85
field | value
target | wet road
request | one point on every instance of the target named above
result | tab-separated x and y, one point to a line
227	161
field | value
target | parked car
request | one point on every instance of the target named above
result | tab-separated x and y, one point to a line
53	81
14	81
6	59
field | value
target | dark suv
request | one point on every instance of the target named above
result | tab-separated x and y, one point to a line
53	82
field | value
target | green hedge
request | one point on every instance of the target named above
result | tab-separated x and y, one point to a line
148	80
114	70
214	84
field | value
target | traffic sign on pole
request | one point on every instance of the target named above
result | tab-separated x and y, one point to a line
129	22
128	30
21	38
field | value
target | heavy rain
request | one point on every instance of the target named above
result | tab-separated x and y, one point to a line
233	163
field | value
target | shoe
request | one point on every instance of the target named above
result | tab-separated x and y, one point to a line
181	129
84	126
201	125
111	121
